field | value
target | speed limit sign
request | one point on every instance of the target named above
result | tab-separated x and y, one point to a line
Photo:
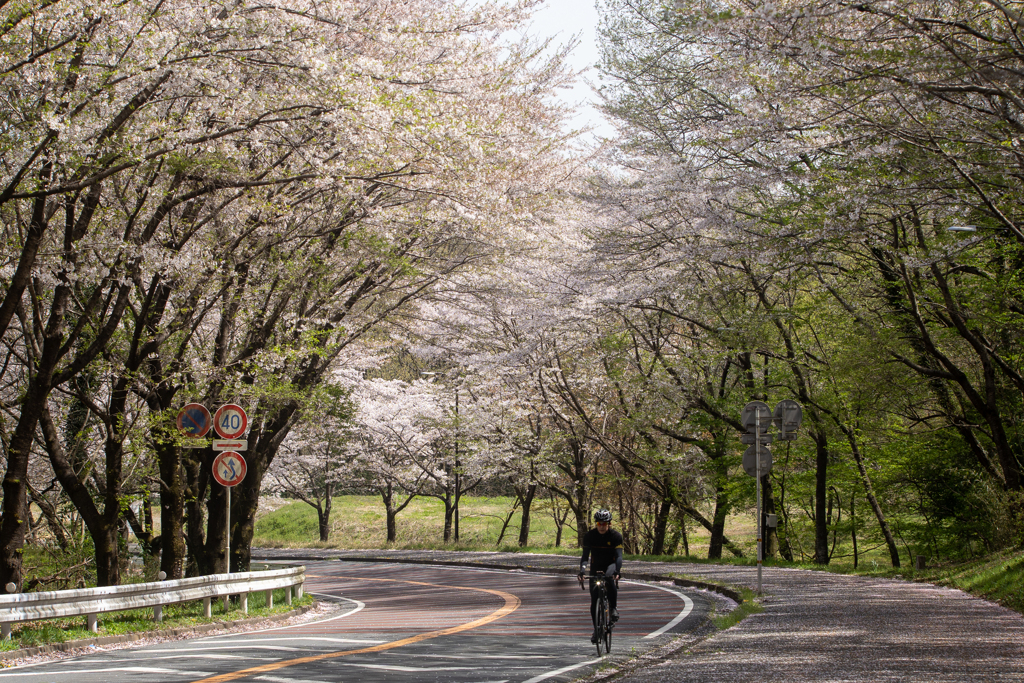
230	421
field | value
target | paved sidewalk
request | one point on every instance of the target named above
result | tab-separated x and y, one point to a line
816	627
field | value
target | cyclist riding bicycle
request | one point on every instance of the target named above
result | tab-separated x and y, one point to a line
604	546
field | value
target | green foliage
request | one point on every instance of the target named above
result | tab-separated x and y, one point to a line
751	605
47	567
951	507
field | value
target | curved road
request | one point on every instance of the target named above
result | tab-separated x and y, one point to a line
407	623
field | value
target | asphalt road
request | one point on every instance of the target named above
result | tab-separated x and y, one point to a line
408	623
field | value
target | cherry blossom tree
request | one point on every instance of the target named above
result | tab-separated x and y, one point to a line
381	160
314	462
395	442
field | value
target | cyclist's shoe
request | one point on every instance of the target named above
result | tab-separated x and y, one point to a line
596	637
615	615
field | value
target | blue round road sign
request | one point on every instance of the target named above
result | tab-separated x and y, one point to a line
194	420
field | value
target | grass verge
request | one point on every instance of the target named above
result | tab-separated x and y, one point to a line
750	605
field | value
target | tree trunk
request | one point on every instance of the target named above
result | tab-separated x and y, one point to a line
869	493
216	530
524	525
387	494
392	521
197	477
720	511
769	534
52	516
33	239
717	529
853	526
449	511
660	527
505	522
324	517
820	498
106	553
12	523
172	511
15	488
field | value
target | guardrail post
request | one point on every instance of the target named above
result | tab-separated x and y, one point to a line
158	610
207	607
245	603
5	628
92	622
298	590
288	594
270	599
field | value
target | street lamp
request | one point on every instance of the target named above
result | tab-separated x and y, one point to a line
976	228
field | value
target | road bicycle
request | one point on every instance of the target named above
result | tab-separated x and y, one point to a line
603	618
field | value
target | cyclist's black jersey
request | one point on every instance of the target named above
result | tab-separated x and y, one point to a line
601	548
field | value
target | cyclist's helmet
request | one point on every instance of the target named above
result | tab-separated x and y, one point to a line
602	516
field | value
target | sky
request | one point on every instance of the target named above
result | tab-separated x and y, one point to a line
563	19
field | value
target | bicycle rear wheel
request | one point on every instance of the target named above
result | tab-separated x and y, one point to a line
607	638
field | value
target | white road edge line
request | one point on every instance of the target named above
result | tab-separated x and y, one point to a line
129	669
687	608
357	641
556	672
359	606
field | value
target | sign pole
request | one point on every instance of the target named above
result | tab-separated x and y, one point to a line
757	447
787	416
227	538
229	470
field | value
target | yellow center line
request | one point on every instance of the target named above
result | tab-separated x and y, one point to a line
511	605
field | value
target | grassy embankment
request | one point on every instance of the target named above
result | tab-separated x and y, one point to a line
358	522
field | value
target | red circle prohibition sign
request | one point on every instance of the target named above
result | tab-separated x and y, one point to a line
229	468
230	421
194	420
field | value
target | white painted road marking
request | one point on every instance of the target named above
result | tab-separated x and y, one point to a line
687	607
556	672
131	669
336	598
275	639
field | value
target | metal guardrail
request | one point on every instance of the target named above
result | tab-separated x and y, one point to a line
90	602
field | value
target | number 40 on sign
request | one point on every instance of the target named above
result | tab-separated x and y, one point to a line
230	421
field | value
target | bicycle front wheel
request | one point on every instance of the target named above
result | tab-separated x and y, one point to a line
602	623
